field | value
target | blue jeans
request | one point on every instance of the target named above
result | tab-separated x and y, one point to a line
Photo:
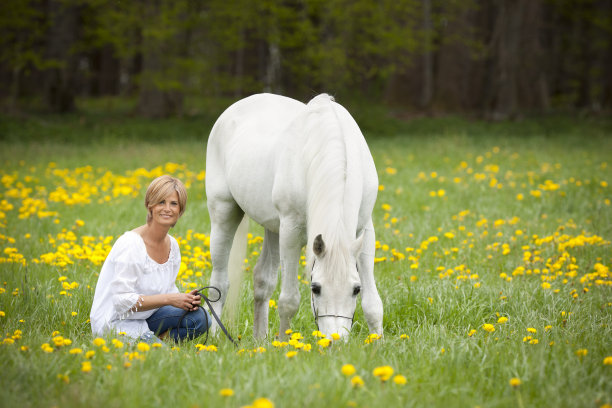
194	323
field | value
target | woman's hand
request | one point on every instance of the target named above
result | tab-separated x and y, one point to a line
186	301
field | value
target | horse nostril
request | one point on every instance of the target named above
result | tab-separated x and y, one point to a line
356	290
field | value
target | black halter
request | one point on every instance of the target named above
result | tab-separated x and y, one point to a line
316	311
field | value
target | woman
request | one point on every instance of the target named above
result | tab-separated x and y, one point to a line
136	292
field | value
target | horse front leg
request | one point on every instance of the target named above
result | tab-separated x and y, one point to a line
265	276
225	216
370	299
291	243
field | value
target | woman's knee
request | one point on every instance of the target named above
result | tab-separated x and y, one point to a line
199	321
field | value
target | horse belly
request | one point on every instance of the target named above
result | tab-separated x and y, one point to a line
251	179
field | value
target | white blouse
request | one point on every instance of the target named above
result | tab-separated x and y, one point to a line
127	274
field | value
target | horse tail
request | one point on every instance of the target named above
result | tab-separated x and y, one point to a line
235	267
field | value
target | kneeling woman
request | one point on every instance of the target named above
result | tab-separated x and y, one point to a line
136	292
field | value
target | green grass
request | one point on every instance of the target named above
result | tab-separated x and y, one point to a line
438	182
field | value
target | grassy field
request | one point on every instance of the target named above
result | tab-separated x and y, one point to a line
493	264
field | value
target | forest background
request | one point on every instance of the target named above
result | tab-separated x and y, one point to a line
494	59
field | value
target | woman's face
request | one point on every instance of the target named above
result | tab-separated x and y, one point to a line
167	211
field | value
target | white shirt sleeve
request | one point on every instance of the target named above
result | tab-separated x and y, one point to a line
128	268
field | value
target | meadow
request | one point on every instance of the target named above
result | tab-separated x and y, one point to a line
493	257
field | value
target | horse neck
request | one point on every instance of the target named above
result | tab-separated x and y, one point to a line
326	178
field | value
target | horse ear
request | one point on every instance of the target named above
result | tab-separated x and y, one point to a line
319	246
356	247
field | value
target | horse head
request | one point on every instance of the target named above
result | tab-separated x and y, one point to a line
335	285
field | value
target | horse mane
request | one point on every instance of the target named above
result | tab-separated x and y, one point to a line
325	152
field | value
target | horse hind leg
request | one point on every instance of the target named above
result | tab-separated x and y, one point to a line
265	277
225	216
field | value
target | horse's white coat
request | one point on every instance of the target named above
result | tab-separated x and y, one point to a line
299	171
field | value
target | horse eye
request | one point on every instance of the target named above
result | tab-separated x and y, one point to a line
316	288
356	290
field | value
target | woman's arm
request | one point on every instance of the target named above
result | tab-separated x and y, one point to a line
185	301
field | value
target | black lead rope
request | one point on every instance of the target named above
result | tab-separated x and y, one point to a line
212	311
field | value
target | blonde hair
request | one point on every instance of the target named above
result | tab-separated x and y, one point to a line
162	187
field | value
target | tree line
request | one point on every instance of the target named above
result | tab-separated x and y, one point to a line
499	58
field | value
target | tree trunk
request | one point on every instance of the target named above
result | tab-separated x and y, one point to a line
155	102
506	39
61	82
428	74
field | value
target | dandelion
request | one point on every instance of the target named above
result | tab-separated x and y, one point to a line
383	372
75	351
263	403
349	369
545	285
86	366
90	354
226	392
99	342
335	336
515	382
399	380
324	342
582	352
531	330
488	327
502	320
357	381
472	332
64	378
607	360
291	354
404	336
143	347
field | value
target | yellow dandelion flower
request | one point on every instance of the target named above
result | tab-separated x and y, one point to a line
335	336
515	382
582	352
98	342
75	350
142	347
531	330
357	381
502	320
291	354
488	327
349	369
263	403
399	380
324	342
86	366
226	392
90	354
383	372
607	360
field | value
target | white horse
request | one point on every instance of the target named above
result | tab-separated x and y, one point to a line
305	173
